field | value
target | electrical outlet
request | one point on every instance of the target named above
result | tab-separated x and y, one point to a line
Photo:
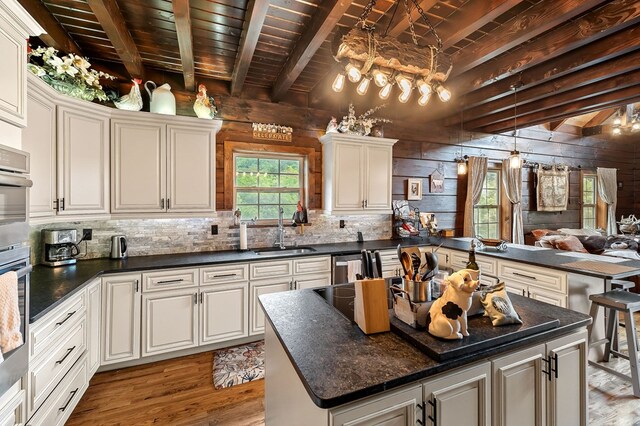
341	223
87	234
214	229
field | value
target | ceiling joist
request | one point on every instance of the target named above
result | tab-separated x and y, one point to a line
555	125
54	36
182	17
601	117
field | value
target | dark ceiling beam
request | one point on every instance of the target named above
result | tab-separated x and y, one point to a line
55	35
400	22
110	18
531	23
555	125
583	106
600	117
182	18
253	21
323	22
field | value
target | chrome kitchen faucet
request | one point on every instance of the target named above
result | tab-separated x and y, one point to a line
280	235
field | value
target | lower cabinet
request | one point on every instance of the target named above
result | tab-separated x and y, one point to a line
120	318
258	288
312	281
94	307
12	406
224	312
537	293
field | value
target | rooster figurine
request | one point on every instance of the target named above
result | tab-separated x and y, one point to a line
204	106
133	100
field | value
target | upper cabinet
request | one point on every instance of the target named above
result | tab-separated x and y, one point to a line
161	166
15	28
357	174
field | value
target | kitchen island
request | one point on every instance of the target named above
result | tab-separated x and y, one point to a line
322	370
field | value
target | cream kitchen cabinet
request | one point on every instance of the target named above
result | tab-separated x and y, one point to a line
542	284
357	174
94	308
391	266
121	302
224	312
12	409
258	288
162	165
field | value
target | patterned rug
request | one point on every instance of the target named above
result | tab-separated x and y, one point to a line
237	365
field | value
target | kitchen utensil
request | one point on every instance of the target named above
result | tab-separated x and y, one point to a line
416	262
420	291
119	247
405	260
378	262
365	265
370	266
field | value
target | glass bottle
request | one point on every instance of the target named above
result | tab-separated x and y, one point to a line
471	263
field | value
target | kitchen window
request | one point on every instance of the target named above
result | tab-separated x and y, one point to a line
486	214
589	200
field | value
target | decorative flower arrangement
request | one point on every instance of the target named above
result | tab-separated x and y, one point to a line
362	124
69	74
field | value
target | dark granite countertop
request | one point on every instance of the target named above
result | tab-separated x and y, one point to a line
337	363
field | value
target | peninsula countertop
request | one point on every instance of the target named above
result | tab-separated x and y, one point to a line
337	363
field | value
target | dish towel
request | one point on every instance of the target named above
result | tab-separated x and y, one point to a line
10	336
353	267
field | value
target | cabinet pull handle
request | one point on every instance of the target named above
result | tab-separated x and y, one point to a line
137	285
56	204
72	394
62	203
178	280
69	350
366	203
422	407
69	315
554	369
295	285
547	362
225	275
162	203
434	406
201	297
195	298
168	204
518	274
528	293
524	293
363	204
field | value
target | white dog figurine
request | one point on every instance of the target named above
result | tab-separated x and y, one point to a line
447	316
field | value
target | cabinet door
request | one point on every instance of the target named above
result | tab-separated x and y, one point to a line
460	398
138	163
349	176
13	84
120	318
259	288
377	178
224	312
39	140
547	296
192	169
399	408
83	161
516	287
169	321
312	281
519	388
93	326
567	394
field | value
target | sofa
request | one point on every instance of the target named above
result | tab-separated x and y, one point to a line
587	241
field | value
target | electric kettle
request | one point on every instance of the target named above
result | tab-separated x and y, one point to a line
118	247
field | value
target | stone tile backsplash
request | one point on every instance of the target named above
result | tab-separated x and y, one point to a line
165	236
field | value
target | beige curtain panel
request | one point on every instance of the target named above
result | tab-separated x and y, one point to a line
512	181
608	191
476	174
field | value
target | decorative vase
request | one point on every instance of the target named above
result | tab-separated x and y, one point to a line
69	89
162	100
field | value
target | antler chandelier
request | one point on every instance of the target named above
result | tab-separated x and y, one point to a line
366	56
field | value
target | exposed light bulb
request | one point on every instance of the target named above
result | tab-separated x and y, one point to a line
617	130
338	83
403	83
363	86
424	99
617	121
462	167
635	126
443	94
385	92
353	72
404	96
379	78
423	87
515	162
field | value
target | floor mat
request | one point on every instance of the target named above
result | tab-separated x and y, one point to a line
237	365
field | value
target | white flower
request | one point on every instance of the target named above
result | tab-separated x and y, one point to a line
69	68
56	63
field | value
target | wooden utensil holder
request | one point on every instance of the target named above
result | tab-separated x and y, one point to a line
371	311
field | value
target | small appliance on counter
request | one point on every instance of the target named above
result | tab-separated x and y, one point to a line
118	247
59	247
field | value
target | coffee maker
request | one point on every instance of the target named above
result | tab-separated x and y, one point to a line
59	247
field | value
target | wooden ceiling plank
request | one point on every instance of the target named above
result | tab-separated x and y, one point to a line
55	35
254	19
182	18
555	125
600	117
108	14
318	29
400	23
536	20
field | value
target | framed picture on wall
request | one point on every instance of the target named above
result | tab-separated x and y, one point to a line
414	189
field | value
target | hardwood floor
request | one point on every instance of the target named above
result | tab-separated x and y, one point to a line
174	392
180	392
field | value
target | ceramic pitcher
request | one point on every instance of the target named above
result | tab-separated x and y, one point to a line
162	100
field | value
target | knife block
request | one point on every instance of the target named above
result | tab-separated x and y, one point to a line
371	311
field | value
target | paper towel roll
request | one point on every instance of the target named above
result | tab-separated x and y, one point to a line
243	236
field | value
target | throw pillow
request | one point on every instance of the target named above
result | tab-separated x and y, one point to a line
593	244
570	243
498	306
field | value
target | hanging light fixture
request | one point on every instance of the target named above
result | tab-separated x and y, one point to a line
338	82
363	86
361	51
461	160
515	161
631	122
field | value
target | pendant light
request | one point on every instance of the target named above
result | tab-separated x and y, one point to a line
338	82
515	161
363	86
461	160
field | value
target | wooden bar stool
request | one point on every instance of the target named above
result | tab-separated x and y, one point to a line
621	285
627	303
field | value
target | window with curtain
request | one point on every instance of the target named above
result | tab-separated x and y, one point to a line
265	182
589	200
486	214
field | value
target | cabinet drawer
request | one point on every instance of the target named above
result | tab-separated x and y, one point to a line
390	261
45	375
55	325
312	265
170	280
487	265
280	268
224	273
312	281
59	406
532	275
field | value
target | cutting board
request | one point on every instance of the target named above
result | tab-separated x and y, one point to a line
483	334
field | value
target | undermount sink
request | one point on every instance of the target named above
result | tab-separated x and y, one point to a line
277	251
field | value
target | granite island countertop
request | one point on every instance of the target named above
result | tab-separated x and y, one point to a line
337	363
